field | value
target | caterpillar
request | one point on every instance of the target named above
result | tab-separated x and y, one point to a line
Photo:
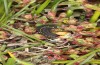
46	30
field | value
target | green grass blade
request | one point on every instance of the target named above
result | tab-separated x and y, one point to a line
6	7
10	61
55	3
1	8
95	62
2	17
95	16
19	13
41	8
88	59
62	62
9	4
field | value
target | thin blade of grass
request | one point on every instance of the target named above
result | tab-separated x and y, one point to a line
41	8
55	4
95	62
62	62
1	8
95	16
2	17
19	13
21	48
87	60
5	19
6	6
9	4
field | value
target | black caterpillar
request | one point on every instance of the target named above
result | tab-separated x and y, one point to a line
46	30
